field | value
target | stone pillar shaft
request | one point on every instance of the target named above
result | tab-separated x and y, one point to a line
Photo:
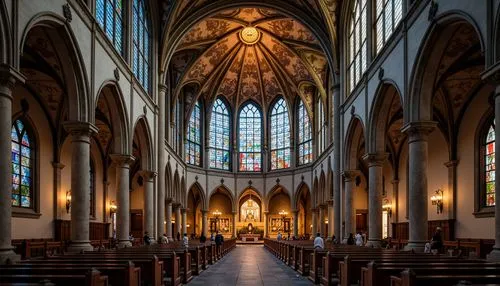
375	171
148	202
184	221
418	133
122	164
235	215
331	219
204	222
349	177
80	184
296	223
337	203
321	219
314	222
168	219
8	79
160	227
266	224
178	226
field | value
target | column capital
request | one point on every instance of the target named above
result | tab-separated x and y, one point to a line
418	131
9	76
204	212
375	159
184	210
329	203
168	201
80	128
122	159
350	175
452	163
162	87
148	175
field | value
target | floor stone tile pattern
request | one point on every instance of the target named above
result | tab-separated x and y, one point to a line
249	265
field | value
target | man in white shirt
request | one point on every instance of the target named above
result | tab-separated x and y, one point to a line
185	240
318	242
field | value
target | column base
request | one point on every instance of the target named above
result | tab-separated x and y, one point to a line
494	255
8	256
79	246
417	246
124	243
374	243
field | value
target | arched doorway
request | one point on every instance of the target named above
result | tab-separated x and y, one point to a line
195	206
250	213
279	213
303	207
220	212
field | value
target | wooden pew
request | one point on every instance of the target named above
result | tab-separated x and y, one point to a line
90	278
409	278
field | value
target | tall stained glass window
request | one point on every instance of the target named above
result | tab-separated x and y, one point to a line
389	14
250	139
280	136
357	49
305	135
109	15
141	43
193	137
22	165
219	155
489	163
92	188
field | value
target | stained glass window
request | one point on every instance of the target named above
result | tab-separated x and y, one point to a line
357	50
305	135
489	162
219	155
280	136
141	43
109	15
321	127
22	165
92	188
193	137
250	139
389	14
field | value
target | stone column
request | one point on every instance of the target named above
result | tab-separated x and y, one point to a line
331	219
8	79
58	207
204	222
350	217
122	164
495	253
148	177
395	195
375	171
295	223
184	221
314	213
418	133
178	219
266	223
168	218
160	223
321	220
80	184
235	234
337	203
452	188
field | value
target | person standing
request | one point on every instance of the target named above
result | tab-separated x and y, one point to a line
359	239
318	242
350	239
279	237
185	240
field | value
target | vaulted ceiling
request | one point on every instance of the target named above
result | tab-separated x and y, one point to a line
249	54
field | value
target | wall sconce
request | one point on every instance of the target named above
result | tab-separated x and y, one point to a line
437	200
387	206
283	214
326	221
216	214
112	208
68	201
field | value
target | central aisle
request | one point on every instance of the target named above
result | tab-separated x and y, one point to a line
249	265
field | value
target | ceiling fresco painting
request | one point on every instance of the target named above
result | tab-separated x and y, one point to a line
250	54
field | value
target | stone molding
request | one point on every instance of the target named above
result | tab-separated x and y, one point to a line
375	159
418	131
350	175
148	175
79	128
122	159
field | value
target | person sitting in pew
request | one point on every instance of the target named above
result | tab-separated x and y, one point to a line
318	242
203	238
164	239
146	238
437	241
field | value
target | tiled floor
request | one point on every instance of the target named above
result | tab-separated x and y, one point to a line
249	265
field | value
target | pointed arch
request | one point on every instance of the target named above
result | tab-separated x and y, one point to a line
250	192
6	56
279	134
322	188
176	188
315	192
301	189
355	134
220	127
222	189
250	137
168	182
74	71
196	188
277	189
142	133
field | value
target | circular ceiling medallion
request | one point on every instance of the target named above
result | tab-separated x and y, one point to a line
249	35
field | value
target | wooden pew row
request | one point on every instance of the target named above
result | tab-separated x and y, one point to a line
89	278
410	278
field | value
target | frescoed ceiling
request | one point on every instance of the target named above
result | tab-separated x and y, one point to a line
249	54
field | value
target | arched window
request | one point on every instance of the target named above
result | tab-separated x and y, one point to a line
305	135
388	15
357	49
219	156
250	139
488	150
109	15
92	188
141	44
193	137
321	127
23	155
280	136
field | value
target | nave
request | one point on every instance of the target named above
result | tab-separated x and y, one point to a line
249	265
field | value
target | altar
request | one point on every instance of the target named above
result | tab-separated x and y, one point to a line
249	237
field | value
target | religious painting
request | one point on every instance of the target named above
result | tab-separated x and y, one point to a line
250	211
